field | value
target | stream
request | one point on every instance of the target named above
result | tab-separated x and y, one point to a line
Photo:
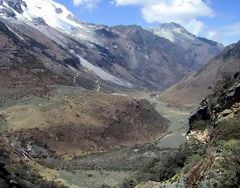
178	118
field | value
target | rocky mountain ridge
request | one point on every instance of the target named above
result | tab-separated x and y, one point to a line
192	89
199	51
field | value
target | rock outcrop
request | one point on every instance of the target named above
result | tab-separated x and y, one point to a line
222	104
214	138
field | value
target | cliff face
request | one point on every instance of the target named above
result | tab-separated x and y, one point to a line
222	104
214	138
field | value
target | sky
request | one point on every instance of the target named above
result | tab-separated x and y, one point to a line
214	19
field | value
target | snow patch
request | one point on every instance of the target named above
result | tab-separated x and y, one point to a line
98	86
47	10
165	34
172	33
146	57
102	74
19	36
99	72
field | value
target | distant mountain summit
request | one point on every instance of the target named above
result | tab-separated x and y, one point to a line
198	50
173	32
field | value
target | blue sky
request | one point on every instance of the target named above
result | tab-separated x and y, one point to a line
215	19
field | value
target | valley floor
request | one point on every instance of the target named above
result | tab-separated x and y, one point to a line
119	166
177	116
116	167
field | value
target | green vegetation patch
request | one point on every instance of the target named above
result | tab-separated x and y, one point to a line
3	124
228	130
200	125
162	169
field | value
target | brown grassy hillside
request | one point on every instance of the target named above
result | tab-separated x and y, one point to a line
194	88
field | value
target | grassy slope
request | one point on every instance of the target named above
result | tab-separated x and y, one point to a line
70	122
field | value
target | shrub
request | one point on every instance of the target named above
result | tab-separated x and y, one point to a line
200	125
128	183
232	146
191	162
228	130
162	169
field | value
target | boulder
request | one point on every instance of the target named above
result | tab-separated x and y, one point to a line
202	113
226	112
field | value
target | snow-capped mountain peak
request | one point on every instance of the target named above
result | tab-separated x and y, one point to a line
55	15
198	49
172	31
47	12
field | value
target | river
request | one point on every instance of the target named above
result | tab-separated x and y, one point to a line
178	117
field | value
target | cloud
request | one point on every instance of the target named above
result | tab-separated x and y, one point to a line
184	12
233	30
227	34
213	35
87	3
230	34
195	26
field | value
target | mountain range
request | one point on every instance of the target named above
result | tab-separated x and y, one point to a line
119	57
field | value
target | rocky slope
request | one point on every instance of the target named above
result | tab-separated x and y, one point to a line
215	125
194	88
154	58
198	51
